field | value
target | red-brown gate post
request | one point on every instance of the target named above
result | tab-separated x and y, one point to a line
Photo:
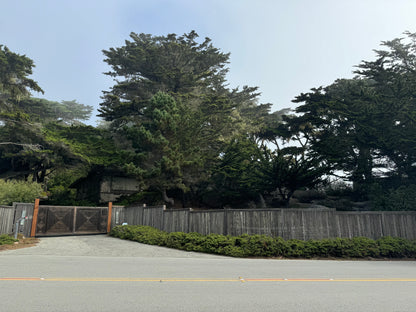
34	218
110	209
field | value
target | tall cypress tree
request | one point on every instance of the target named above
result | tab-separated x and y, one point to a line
209	114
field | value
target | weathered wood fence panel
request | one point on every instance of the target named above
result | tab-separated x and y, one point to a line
176	220
6	219
399	224
208	222
134	215
10	214
307	223
351	224
376	224
22	210
153	216
253	221
117	215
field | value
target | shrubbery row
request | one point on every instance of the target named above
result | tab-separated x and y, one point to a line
265	246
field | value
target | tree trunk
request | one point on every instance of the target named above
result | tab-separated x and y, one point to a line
363	175
262	201
167	199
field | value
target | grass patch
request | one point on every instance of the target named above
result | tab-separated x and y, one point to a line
7	242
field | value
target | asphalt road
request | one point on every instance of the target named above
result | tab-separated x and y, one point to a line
100	273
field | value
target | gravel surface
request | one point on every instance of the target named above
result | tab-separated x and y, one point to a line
100	246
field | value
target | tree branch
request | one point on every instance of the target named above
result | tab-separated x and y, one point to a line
34	147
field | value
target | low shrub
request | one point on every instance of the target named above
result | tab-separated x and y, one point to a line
7	240
265	246
394	247
141	234
394	199
19	191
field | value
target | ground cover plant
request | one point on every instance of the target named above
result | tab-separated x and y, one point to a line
7	240
265	246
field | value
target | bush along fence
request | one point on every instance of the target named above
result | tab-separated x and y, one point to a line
266	246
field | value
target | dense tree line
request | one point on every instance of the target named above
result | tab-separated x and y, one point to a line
172	122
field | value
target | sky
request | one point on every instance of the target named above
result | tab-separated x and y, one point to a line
285	47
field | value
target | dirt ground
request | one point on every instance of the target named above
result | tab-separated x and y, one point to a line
23	242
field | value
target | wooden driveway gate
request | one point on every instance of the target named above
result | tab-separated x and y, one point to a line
61	220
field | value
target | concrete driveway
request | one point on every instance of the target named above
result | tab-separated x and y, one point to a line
100	246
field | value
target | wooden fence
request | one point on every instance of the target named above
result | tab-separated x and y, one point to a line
9	215
303	224
6	219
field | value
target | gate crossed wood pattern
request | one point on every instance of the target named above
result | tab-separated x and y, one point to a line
53	220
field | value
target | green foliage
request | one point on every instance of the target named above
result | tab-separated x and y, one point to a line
291	169
58	147
402	198
84	144
140	197
58	186
172	103
45	111
240	174
391	247
163	138
19	191
340	128
141	234
7	240
177	64
339	189
307	196
365	126
14	81
26	150
393	75
265	246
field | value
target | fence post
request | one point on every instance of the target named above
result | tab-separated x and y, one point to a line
225	227
110	210
189	220
35	218
74	221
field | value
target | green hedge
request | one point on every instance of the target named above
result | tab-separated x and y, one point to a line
6	239
265	246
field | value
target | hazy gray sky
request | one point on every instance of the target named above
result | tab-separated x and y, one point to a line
284	47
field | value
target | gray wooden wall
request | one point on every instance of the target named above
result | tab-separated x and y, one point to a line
6	219
8	215
303	224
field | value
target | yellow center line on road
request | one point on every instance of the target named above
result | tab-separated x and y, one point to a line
138	280
202	280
